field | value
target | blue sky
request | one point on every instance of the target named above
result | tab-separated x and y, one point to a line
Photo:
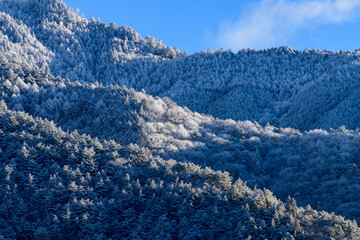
198	25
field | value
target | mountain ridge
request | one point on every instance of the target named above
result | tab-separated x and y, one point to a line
264	86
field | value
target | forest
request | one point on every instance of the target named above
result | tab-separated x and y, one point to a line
108	135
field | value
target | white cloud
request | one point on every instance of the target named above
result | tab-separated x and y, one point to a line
271	22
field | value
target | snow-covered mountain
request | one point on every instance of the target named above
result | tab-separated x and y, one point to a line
80	49
304	90
86	153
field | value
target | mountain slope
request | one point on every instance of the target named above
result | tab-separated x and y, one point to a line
318	168
64	185
82	49
287	88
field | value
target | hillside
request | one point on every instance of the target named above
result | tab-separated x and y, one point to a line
287	88
64	182
99	125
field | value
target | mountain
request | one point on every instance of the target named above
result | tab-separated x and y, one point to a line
100	138
80	49
288	88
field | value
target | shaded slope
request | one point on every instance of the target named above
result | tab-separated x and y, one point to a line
66	185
